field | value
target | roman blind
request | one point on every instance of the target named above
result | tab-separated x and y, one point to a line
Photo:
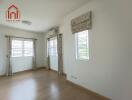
81	23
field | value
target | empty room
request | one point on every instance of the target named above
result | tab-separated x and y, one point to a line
65	50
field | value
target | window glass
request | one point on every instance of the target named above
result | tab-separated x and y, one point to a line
22	48
82	48
28	48
53	47
17	46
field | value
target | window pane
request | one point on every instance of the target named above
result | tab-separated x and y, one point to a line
53	47
16	44
51	43
28	44
17	48
28	48
82	45
22	48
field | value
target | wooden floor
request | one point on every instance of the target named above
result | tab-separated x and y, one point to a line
41	85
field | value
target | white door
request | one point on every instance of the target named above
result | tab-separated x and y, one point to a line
53	56
22	55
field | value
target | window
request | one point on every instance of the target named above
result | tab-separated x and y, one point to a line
17	47
82	47
53	47
22	48
28	48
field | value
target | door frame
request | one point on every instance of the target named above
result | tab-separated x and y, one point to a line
59	52
48	55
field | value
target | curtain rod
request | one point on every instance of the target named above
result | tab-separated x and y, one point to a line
19	37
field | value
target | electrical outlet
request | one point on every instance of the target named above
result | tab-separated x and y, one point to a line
73	77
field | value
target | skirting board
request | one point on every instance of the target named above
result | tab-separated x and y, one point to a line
38	68
89	91
57	72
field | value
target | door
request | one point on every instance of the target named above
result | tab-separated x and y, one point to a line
52	52
21	54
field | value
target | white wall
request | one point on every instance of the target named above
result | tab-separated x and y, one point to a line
20	33
108	70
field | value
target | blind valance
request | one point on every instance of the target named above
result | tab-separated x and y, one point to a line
81	23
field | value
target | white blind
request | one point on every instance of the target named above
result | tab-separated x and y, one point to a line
82	23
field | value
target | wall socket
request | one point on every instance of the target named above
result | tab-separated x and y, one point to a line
73	77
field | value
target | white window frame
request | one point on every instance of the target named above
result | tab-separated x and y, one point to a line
23	49
30	49
16	48
54	47
76	43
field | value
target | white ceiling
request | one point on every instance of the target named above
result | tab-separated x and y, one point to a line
43	14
